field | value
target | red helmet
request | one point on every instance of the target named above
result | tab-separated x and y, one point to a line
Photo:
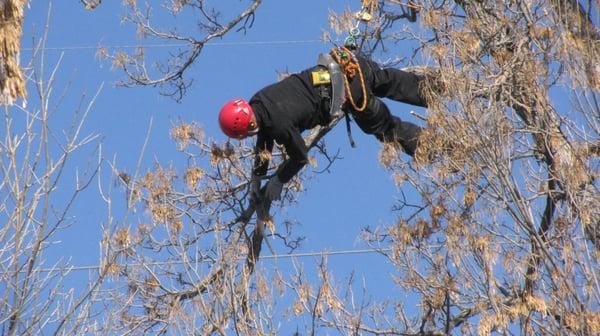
235	118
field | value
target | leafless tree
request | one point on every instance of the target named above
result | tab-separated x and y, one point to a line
504	236
37	195
189	259
501	237
169	71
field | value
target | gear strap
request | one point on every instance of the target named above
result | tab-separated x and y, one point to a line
338	94
338	90
349	130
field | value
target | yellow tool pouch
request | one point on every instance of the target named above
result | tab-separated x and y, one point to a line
320	76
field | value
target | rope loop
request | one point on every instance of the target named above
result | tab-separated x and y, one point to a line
350	67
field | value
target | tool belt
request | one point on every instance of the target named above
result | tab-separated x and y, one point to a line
329	80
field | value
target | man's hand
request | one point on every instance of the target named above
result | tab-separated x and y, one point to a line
273	189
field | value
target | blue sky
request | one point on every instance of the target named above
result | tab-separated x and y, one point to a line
357	192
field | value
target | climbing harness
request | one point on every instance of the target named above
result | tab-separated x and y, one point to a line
341	67
350	67
365	15
336	79
335	90
348	62
345	58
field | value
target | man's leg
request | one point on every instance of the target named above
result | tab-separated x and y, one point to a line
378	120
404	133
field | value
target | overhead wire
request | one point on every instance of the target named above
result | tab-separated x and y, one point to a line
69	269
177	45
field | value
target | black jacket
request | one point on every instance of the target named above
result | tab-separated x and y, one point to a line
287	108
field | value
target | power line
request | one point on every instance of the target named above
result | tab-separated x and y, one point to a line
174	262
177	45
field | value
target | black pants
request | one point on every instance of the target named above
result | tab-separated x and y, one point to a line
376	119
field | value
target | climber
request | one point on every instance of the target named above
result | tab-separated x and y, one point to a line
282	111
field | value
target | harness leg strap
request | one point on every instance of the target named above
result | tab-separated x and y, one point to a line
349	130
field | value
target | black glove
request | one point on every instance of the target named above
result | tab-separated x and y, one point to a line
255	187
273	189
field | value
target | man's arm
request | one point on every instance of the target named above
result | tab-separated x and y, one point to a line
396	84
297	152
295	148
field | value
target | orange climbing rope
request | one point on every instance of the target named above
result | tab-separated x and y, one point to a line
350	67
345	58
